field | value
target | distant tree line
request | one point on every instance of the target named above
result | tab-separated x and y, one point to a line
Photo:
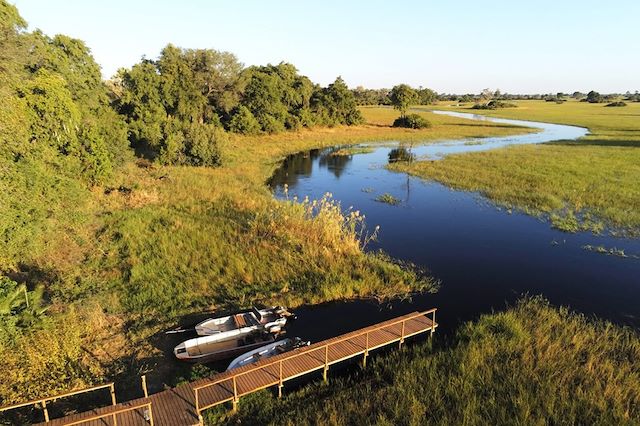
486	95
364	96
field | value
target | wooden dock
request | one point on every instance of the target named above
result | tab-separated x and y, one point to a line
184	404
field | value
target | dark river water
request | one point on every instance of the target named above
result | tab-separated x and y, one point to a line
484	256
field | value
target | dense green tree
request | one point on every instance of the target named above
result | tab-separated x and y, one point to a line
72	60
336	104
402	97
594	97
142	105
278	97
171	104
426	96
54	117
217	75
67	63
244	122
13	115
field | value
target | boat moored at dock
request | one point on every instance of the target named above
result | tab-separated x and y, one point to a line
267	351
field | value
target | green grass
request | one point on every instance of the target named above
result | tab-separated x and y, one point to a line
613	251
586	184
532	364
605	124
355	150
388	199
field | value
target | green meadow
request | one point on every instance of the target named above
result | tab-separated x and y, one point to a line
589	184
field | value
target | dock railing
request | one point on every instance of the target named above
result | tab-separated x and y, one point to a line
42	402
278	380
114	415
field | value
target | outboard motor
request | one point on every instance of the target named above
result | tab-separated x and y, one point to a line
273	329
282	311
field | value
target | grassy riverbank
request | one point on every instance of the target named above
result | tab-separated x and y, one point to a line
586	184
127	259
533	364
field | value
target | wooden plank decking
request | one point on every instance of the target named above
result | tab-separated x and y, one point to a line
183	404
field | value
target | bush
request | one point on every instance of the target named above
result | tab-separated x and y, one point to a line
192	144
412	121
616	104
495	104
201	144
244	122
292	122
271	124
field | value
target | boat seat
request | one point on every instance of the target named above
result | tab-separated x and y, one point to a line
240	320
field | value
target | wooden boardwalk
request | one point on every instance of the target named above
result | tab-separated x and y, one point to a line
184	404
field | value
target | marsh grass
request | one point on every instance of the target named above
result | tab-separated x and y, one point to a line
346	152
388	199
613	251
589	184
577	187
532	364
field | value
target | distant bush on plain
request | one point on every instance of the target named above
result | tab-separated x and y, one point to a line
495	104
617	104
412	121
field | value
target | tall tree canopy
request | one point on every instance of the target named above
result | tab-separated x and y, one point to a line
209	92
402	97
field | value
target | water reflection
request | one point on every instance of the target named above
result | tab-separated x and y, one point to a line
335	162
401	153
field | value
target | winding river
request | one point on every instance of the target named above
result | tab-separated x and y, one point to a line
485	257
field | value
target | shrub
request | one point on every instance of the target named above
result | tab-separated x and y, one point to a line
271	124
244	122
193	144
292	122
616	104
412	121
388	199
201	144
495	104
594	97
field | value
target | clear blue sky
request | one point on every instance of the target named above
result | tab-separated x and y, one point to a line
450	46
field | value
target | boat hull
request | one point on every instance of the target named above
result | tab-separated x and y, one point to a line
215	351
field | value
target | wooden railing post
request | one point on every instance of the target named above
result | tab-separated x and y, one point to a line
433	325
326	362
112	390
200	419
366	351
46	412
280	384
151	415
115	420
144	385
235	395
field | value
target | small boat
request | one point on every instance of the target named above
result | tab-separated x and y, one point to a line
209	348
228	327
267	351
